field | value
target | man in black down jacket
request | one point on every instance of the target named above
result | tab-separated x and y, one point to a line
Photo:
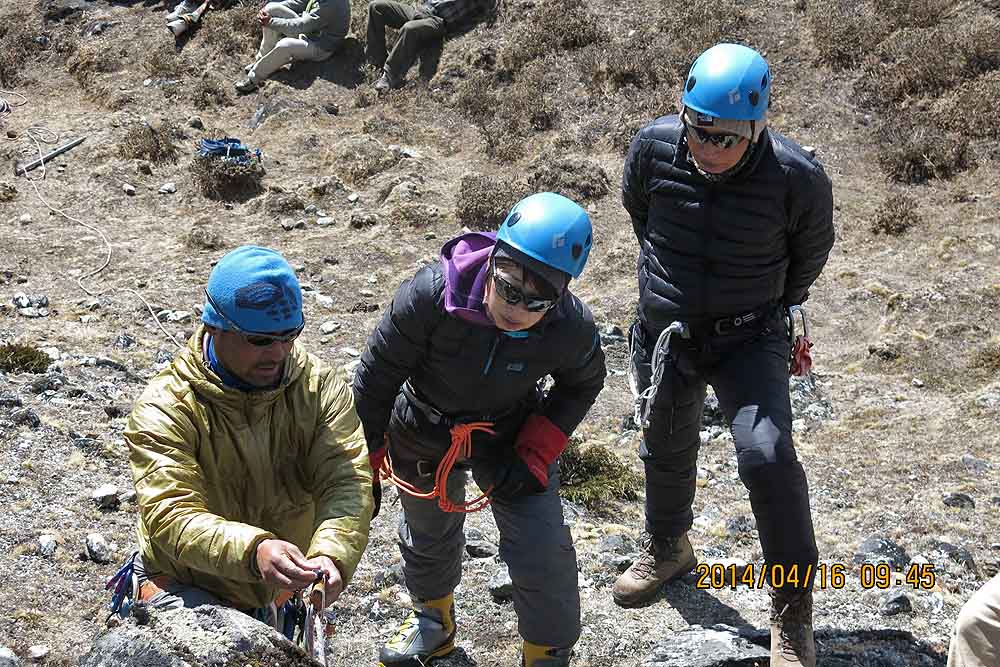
463	347
734	224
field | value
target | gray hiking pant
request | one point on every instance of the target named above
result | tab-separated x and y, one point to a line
419	30
174	595
535	543
976	642
748	368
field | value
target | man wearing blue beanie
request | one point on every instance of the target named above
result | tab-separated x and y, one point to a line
248	458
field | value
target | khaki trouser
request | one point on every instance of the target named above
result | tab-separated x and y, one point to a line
277	50
976	642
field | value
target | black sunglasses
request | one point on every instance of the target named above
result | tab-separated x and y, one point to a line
723	141
514	296
258	339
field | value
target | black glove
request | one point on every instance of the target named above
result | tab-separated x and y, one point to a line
377	495
512	479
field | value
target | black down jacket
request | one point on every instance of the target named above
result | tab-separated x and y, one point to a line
713	249
468	370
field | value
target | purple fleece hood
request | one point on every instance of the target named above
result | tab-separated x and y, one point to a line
465	264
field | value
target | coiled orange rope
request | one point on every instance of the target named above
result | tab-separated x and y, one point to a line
461	448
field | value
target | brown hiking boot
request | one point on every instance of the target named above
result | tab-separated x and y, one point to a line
662	561
792	641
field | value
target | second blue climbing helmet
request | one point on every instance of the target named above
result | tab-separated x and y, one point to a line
552	229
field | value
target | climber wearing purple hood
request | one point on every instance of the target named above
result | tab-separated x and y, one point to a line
449	382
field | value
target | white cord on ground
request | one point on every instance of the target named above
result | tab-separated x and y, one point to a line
42	135
7	108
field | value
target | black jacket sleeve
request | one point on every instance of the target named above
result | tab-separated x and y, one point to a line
395	350
581	379
635	199
811	233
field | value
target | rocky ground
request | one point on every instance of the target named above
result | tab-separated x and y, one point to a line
898	433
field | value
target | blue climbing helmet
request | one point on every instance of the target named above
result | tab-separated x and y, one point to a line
729	81
551	229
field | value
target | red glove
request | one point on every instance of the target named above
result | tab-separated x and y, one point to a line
801	363
539	443
376	458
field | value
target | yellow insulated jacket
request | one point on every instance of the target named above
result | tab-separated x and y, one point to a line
218	470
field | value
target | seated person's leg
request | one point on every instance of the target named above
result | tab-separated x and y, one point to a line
382	13
977	632
270	36
413	37
285	51
163	593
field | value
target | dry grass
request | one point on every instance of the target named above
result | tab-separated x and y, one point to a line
93	59
484	201
210	91
8	192
166	62
912	150
360	158
203	237
843	31
226	180
895	216
234	31
144	141
987	359
973	108
550	27
17	45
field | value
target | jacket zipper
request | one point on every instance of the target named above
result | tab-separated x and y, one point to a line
493	352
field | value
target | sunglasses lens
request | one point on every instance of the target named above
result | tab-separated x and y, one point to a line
260	341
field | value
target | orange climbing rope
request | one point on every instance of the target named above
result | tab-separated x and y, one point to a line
461	448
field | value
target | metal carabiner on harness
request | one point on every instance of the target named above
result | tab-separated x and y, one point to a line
801	312
314	628
800	356
644	399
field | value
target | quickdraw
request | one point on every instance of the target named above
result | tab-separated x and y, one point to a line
800	359
314	630
644	399
124	585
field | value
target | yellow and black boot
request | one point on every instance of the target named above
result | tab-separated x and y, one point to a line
534	655
428	632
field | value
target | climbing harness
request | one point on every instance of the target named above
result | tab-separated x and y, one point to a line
314	629
229	149
644	399
461	448
800	358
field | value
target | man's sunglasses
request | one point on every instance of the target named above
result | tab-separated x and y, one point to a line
514	296
723	141
258	339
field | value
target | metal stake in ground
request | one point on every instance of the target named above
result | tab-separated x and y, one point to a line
22	170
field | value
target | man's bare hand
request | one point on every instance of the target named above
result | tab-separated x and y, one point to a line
263	17
282	564
334	582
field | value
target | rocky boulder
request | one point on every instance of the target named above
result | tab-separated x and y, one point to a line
199	637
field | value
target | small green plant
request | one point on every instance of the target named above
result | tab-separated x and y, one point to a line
594	476
896	215
23	358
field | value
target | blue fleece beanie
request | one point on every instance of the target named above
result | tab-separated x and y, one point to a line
256	289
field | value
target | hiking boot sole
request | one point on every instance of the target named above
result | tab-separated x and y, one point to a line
420	661
633	601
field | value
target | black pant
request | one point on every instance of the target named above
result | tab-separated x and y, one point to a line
748	368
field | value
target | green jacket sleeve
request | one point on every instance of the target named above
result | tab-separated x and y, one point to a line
341	479
170	490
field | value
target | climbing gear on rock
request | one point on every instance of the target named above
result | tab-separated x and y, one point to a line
644	400
662	560
551	229
792	640
229	149
535	655
800	361
428	632
125	588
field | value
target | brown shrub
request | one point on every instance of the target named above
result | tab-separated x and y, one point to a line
484	201
203	237
641	61
93	59
549	27
362	157
911	150
982	48
905	66
155	143
227	180
637	111
210	91
843	31
973	108
7	192
895	216
987	358
693	26
234	31
912	13
23	358
571	176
